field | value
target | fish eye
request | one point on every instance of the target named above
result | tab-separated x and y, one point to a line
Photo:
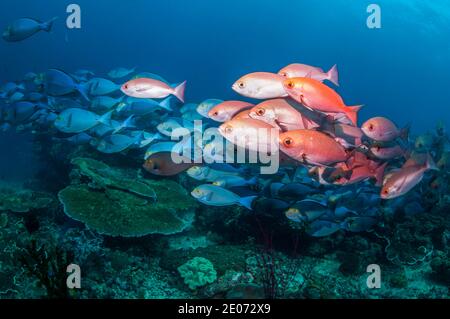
228	129
290	84
371	127
216	113
241	85
126	86
260	112
283	74
288	142
385	192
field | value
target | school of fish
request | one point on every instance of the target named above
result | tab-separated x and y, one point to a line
334	171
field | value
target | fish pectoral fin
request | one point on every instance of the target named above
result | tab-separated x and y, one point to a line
208	197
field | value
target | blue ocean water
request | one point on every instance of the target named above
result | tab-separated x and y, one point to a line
400	71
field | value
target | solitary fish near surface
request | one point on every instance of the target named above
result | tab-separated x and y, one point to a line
24	28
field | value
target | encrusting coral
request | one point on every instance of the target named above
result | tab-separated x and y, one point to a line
23	200
114	204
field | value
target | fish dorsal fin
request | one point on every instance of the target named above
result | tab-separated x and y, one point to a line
208	196
416	159
389	175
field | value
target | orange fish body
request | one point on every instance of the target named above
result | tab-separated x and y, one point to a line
312	147
242	115
317	96
162	164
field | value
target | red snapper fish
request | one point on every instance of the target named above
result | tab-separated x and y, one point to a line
400	182
312	147
280	113
146	88
225	111
251	134
260	85
382	129
319	97
370	170
298	70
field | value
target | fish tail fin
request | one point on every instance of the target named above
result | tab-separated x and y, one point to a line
333	75
247	201
379	174
274	188
352	113
179	91
47	26
253	180
127	123
106	118
120	100
165	104
83	89
430	164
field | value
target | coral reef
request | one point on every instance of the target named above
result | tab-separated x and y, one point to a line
116	205
48	265
197	272
23	200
